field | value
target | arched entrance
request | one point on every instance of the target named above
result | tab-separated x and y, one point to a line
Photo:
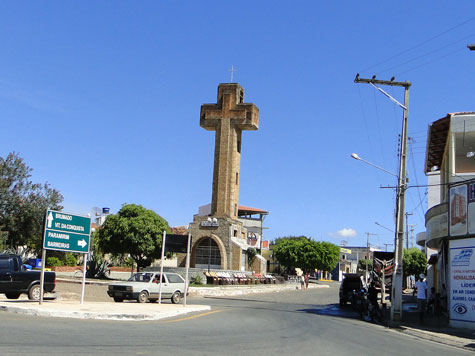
207	254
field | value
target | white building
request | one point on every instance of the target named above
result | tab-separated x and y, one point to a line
450	218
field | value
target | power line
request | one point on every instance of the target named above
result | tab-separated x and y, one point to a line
365	119
415	173
432	61
419	44
438	49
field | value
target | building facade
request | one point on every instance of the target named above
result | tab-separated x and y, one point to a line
223	243
449	238
349	258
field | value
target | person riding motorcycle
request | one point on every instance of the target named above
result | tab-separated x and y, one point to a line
373	299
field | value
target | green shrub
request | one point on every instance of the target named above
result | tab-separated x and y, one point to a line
251	253
129	262
70	260
53	262
196	279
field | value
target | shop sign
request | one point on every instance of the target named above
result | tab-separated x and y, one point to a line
462	280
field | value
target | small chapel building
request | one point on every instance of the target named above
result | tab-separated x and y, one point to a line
226	247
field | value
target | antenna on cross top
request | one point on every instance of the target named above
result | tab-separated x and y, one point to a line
232	70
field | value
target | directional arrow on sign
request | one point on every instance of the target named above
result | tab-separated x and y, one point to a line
82	243
50	218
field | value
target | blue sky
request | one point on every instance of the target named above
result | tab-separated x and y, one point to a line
102	100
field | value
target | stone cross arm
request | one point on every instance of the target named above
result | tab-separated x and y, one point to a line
245	116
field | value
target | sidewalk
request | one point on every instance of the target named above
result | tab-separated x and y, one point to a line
229	291
58	306
434	328
95	310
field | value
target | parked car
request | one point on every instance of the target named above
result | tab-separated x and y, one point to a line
16	279
351	282
144	286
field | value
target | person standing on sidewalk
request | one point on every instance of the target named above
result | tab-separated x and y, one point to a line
421	287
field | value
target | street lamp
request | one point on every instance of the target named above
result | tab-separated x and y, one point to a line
384	227
396	296
355	156
211	222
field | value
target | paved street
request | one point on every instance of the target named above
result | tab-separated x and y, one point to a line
291	322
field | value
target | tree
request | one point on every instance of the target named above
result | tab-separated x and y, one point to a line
251	253
134	230
286	252
362	264
414	262
330	255
23	204
306	254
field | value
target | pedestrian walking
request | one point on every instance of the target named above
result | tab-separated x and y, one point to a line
421	287
306	280
302	281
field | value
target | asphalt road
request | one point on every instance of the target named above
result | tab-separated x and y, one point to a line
286	323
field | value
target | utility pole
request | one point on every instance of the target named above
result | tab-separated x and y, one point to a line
386	246
412	226
407	231
367	254
396	301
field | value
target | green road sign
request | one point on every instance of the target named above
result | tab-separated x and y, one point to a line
66	232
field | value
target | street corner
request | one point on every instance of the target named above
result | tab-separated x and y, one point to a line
450	337
100	310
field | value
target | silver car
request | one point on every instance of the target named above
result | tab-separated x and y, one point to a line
144	286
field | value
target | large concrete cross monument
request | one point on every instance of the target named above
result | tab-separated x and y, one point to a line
229	117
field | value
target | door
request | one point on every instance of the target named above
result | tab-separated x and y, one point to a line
155	287
5	275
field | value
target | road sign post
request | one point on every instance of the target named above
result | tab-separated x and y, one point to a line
65	232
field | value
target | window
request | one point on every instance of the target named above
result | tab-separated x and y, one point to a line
462	145
156	279
173	278
208	253
237	178
15	264
239	146
4	265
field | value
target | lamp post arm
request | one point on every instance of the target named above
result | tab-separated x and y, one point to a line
355	156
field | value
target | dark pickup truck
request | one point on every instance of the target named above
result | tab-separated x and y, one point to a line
15	279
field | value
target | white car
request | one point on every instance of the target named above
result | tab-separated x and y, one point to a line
144	286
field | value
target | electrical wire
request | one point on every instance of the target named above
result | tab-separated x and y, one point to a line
431	61
424	55
419	44
415	174
420	203
364	118
378	126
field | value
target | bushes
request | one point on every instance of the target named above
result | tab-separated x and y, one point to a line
54	262
68	260
196	279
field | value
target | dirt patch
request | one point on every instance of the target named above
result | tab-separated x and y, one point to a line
72	291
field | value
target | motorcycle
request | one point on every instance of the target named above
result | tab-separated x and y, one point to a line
366	309
362	302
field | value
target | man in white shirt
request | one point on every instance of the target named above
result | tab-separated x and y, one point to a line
421	287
